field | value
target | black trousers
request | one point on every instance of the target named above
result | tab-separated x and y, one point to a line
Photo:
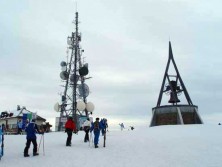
19	130
69	138
86	135
28	143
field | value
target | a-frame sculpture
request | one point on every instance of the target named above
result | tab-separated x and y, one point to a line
174	114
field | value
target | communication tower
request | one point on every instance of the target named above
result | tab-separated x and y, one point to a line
73	75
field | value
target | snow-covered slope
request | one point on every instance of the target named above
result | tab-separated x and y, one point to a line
163	146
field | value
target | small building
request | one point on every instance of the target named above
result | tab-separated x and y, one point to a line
11	118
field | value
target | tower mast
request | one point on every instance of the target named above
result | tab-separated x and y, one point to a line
76	47
74	102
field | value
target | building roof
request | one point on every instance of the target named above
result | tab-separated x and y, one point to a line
19	113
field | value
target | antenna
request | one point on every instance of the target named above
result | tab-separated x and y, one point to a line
74	72
76	6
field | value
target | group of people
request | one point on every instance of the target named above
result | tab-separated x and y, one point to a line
123	127
70	128
31	129
88	126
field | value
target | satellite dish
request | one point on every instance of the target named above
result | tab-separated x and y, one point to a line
86	65
90	107
64	75
81	105
63	63
64	68
56	107
69	41
83	71
83	90
72	78
63	98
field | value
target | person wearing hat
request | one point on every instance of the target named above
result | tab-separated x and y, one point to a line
96	127
31	130
70	127
86	128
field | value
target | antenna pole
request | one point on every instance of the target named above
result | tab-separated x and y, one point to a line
76	6
70	75
76	46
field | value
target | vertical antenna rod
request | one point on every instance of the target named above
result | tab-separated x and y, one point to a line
75	68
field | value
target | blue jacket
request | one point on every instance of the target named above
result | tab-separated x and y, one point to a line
31	130
96	130
20	125
104	123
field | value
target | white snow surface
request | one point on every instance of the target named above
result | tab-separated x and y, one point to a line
161	146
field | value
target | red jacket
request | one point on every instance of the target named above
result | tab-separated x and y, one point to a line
70	125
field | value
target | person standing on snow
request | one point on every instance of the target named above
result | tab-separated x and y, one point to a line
86	128
121	126
104	125
31	130
70	127
19	125
96	127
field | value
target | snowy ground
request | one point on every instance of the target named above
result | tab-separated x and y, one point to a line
163	146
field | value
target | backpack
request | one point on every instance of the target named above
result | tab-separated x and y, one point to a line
96	125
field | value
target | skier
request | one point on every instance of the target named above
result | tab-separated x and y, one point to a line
96	127
104	125
31	130
86	128
19	125
70	127
121	126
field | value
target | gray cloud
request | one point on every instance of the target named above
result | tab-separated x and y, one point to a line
126	46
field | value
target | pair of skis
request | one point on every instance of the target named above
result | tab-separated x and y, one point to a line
2	141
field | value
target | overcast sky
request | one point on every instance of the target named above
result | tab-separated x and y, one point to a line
126	46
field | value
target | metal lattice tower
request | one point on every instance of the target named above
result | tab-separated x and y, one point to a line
73	74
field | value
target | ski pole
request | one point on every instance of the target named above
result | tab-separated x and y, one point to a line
40	143
104	140
3	131
2	141
90	138
43	146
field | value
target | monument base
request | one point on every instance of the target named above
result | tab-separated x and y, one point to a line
175	114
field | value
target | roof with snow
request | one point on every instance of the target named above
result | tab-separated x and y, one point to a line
19	113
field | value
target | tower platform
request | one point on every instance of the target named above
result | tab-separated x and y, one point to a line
172	115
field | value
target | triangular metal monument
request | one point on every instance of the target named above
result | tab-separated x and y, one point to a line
174	114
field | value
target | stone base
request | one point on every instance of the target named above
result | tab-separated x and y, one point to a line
175	114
